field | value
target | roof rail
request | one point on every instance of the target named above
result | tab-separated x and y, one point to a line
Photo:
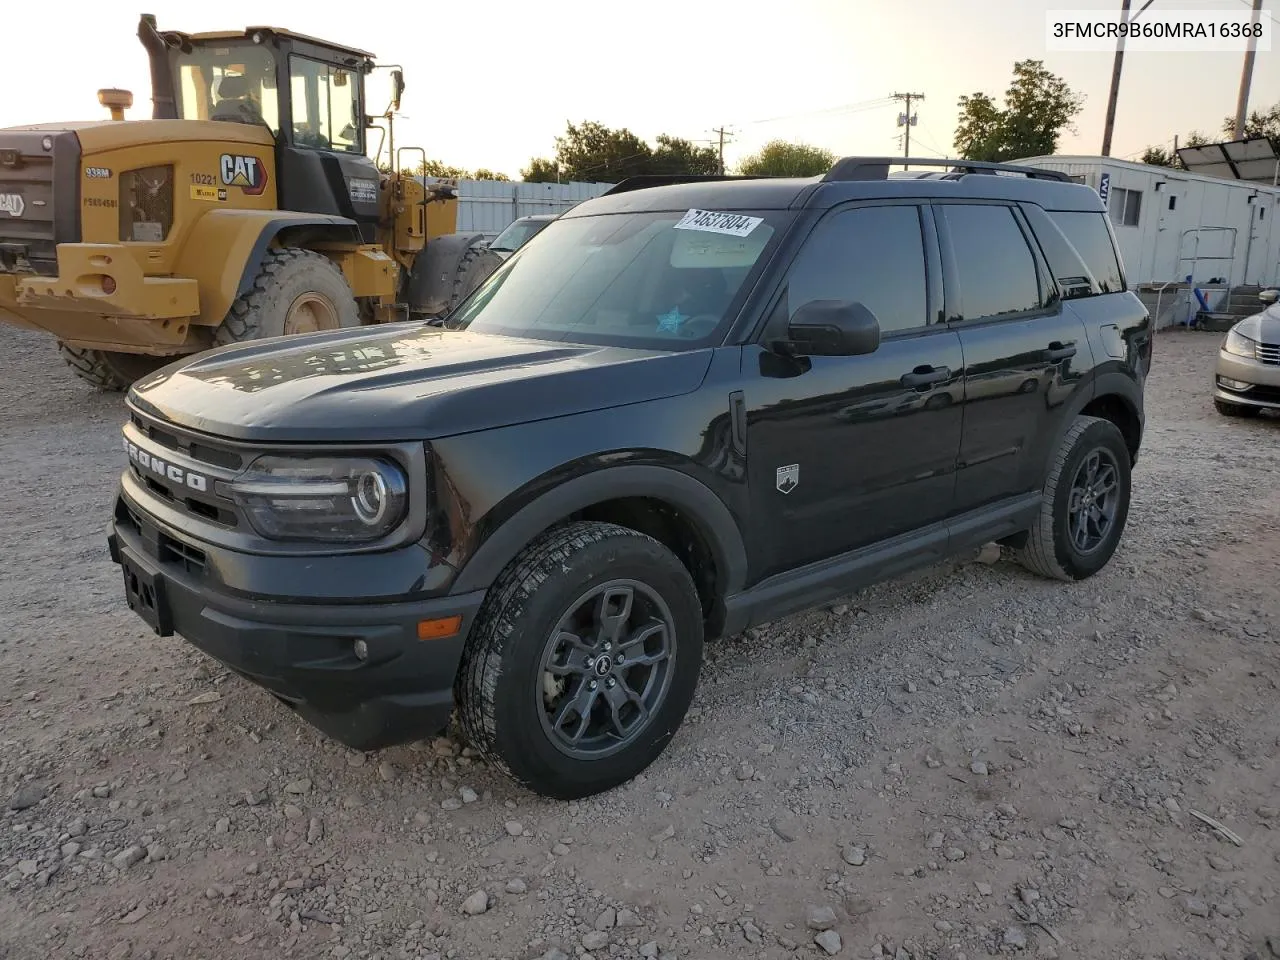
877	168
647	180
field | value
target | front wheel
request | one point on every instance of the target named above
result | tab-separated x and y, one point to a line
583	660
110	369
295	291
1085	505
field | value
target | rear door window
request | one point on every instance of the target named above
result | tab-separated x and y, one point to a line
996	270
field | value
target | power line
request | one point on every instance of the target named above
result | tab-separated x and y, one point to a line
930	142
843	108
1249	3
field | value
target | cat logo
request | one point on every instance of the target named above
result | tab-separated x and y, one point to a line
247	173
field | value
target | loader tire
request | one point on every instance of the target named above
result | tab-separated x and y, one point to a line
473	269
295	291
110	369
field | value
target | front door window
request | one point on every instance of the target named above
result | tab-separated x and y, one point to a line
326	106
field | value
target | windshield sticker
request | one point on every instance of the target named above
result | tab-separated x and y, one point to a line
671	322
733	224
716	250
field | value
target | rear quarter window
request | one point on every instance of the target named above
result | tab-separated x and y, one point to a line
1088	233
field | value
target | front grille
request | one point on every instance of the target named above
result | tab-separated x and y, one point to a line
1267	353
192	447
191	559
1265	394
215	463
159	544
39	199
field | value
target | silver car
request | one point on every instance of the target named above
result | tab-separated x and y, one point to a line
519	232
1247	377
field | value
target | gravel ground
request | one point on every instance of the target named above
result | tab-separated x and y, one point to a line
965	763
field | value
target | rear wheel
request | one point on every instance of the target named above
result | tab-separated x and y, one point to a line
1235	409
110	369
583	660
1085	505
295	291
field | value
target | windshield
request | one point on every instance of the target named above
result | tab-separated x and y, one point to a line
516	235
658	280
234	82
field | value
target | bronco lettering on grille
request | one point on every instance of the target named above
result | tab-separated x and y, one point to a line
164	469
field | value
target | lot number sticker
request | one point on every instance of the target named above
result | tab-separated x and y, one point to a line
733	224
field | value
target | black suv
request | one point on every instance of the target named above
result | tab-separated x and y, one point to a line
695	404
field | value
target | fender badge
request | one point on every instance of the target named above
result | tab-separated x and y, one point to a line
788	478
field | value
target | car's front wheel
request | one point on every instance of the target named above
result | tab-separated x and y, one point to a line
1085	505
583	660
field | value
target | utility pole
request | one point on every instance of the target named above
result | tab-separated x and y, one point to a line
907	120
721	132
1115	83
1246	76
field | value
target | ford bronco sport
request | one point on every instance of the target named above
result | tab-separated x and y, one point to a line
695	404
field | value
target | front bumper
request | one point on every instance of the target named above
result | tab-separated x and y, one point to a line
305	653
142	314
1263	380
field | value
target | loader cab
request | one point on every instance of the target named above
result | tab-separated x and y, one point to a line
308	93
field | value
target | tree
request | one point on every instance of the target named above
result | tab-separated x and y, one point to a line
675	155
484	173
1160	157
434	168
541	170
778	158
1264	124
1038	106
979	134
590	151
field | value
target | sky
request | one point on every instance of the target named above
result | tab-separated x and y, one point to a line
491	83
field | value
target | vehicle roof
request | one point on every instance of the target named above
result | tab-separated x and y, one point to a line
788	193
538	216
280	32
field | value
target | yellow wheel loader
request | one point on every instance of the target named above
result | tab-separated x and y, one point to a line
246	207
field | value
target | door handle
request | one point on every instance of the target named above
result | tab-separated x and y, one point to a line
925	376
1060	351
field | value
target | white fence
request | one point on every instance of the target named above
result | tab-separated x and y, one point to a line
489	206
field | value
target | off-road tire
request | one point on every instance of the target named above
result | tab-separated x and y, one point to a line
1048	550
1235	409
473	269
110	369
286	274
498	706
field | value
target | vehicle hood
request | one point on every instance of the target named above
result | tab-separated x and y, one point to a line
403	381
1263	327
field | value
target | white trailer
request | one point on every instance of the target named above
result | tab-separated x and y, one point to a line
1172	225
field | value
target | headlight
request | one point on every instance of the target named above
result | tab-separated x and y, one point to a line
328	499
146	204
1238	345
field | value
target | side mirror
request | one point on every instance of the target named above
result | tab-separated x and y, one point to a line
397	81
834	328
1269	296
